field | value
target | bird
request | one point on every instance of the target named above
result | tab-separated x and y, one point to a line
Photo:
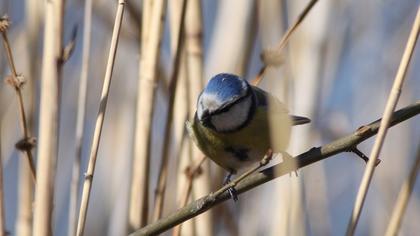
236	123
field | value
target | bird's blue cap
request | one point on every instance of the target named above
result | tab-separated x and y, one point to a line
227	87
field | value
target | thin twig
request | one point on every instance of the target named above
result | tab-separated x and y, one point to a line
151	36
17	82
81	109
87	185
191	174
403	198
313	155
390	107
163	171
283	41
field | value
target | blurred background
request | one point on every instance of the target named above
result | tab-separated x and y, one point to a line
337	69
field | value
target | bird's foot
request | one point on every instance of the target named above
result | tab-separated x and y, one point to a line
231	190
233	194
360	154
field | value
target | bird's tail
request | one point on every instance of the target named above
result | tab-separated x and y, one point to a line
299	120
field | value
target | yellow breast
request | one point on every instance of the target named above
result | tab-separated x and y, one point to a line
238	149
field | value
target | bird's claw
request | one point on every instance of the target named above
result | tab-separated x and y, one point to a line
233	194
231	190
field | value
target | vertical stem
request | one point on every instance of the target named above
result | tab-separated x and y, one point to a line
194	48
87	185
389	109
152	25
81	109
49	117
163	171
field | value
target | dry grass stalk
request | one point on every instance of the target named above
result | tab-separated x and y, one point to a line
307	158
81	108
403	198
48	120
182	101
273	56
87	185
152	25
385	123
17	81
163	170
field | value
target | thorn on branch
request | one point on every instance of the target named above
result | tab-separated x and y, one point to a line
4	23
192	172
69	48
88	176
16	82
362	130
26	144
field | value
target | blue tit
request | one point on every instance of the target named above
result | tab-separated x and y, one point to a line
236	123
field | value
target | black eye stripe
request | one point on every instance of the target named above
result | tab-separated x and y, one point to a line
228	106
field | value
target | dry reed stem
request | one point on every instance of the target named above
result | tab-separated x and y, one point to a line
283	41
49	117
163	170
17	81
403	198
314	155
182	101
151	36
87	185
389	108
194	50
191	174
81	109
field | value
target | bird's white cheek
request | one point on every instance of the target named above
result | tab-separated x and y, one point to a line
236	116
199	111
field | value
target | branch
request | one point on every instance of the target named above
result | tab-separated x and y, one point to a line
17	81
313	155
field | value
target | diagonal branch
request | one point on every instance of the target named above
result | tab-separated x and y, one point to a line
313	155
